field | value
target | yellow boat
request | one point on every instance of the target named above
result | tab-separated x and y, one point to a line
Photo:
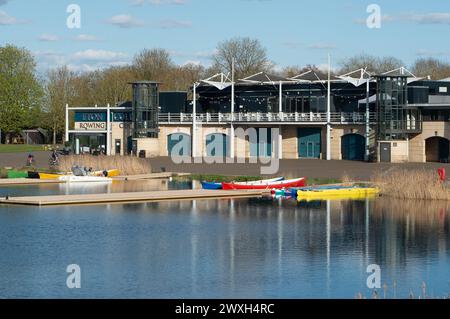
50	176
111	173
337	194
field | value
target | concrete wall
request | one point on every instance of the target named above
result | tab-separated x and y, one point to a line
399	151
417	146
336	138
150	145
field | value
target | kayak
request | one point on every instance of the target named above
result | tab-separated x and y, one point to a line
337	193
299	182
84	179
109	173
50	176
212	185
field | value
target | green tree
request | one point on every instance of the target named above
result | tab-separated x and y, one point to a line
20	90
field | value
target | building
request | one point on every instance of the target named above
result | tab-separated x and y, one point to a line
391	117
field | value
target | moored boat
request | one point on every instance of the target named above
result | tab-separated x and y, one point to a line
50	176
336	193
213	185
298	182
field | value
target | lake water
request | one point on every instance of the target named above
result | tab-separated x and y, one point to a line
245	248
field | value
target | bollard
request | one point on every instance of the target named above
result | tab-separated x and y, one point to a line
442	174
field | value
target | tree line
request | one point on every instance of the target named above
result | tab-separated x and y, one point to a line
29	101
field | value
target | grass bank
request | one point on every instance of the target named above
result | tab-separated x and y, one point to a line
21	148
127	165
412	184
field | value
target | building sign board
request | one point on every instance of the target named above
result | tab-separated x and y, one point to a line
90	126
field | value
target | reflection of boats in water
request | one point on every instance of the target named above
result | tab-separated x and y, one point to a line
84	179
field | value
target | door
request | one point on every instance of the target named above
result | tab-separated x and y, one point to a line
309	142
179	144
118	147
385	152
353	147
263	146
216	145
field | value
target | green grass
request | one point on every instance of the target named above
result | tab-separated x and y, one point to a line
20	148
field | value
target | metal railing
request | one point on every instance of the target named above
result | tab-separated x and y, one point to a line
218	118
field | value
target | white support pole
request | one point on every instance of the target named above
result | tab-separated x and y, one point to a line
194	120
232	112
66	139
367	156
329	110
108	130
280	100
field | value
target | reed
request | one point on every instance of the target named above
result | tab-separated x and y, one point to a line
411	184
127	165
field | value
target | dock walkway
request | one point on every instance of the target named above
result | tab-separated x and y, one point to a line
120	198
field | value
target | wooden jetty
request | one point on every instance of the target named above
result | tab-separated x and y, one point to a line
135	197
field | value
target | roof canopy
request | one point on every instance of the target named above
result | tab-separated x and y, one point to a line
220	81
266	78
313	76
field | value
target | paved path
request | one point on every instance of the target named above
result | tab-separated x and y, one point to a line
19	160
293	168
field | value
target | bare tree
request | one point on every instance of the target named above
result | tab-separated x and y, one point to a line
60	91
436	69
249	55
373	64
152	64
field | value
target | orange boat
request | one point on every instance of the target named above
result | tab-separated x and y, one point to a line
298	182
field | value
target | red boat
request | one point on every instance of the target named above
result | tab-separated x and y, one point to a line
299	182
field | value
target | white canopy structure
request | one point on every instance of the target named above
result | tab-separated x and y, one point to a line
219	80
402	71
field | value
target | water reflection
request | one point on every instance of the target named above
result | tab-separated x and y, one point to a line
246	248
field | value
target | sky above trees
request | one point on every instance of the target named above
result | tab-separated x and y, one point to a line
294	32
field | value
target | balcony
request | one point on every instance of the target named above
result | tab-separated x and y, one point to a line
281	118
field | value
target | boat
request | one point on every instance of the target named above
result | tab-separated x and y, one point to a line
107	173
298	182
84	179
354	192
50	176
212	185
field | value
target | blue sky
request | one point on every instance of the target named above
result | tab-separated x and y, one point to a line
295	32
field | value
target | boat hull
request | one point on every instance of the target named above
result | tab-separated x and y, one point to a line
300	182
211	186
339	193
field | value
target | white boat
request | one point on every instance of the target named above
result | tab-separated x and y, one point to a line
261	182
84	179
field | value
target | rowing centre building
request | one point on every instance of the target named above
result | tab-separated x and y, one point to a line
390	117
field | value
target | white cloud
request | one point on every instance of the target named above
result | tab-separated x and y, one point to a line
321	46
125	21
83	61
419	18
174	24
48	37
433	53
157	2
86	38
6	19
98	55
2	2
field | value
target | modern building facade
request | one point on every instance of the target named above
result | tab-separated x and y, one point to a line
392	117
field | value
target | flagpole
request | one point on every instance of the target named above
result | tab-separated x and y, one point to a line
329	110
367	157
232	111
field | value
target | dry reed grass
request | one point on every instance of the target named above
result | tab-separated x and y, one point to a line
125	164
411	184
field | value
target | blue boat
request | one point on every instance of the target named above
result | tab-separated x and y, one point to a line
211	186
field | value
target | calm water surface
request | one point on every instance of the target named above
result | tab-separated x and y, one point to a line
246	248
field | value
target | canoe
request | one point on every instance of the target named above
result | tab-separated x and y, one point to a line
33	175
212	186
337	193
84	179
49	176
299	182
109	173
